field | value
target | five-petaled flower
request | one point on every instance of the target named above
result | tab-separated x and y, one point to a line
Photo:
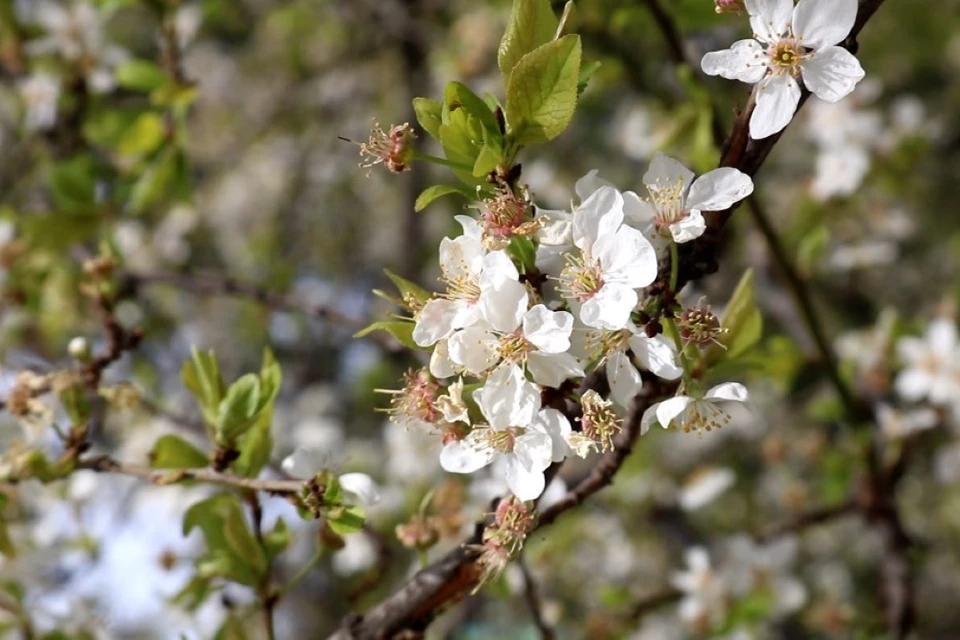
790	42
696	413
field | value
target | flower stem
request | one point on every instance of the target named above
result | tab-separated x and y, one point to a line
674	266
304	570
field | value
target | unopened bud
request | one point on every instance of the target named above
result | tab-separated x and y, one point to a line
79	348
653	329
393	149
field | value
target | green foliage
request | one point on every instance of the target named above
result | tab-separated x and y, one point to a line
201	375
406	288
173	452
232	551
429	115
256	445
141	75
439	190
532	24
469	134
524	252
542	91
402	330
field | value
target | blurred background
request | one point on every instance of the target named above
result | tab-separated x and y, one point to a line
240	174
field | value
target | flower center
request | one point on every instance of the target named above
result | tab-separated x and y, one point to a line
582	278
785	57
601	344
417	399
599	421
514	347
704	416
502	440
667	200
463	288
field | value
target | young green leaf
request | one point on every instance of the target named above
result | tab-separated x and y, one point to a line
742	321
173	452
201	375
532	24
399	329
542	91
141	75
438	191
428	115
238	409
408	288
349	520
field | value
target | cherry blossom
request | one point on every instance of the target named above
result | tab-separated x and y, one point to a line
696	414
790	43
931	364
677	200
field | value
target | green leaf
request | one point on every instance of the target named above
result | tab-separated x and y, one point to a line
587	69
234	628
457	95
75	403
532	24
487	160
201	375
438	191
349	520
402	330
238	409
6	543
255	446
742	321
428	115
242	542
232	551
143	137
542	91
156	182
141	75
462	138
408	288
524	252
173	452
73	184
275	542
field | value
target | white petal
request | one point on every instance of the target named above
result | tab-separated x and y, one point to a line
942	337
689	228
558	428
503	304
624	378
362	487
441	366
551	259
599	215
649	418
627	258
769	19
557	228
467	455
664	170
495	266
777	99
523	483
610	308
913	384
589	184
823	23
668	410
719	189
471	228
831	73
474	348
658	355
745	61
534	449
637	212
461	257
304	463
435	322
733	391
508	399
552	369
549	331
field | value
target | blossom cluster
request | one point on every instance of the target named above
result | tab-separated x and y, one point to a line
535	299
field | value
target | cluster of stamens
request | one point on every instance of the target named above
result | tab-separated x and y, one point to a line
704	416
462	287
582	278
599	422
514	347
500	440
504	216
700	327
601	344
393	149
785	57
667	199
417	400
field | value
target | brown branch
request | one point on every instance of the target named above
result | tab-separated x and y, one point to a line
531	596
651	602
106	464
809	519
268	597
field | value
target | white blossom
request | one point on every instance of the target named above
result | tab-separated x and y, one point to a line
704	602
930	364
480	286
696	414
527	438
658	355
609	263
704	486
40	93
790	43
677	201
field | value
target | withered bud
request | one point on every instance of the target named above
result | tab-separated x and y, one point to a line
698	326
393	149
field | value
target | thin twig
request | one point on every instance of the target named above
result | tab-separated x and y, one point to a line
532	597
809	519
106	464
268	598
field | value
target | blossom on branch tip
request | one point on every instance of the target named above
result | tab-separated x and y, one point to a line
790	43
393	149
